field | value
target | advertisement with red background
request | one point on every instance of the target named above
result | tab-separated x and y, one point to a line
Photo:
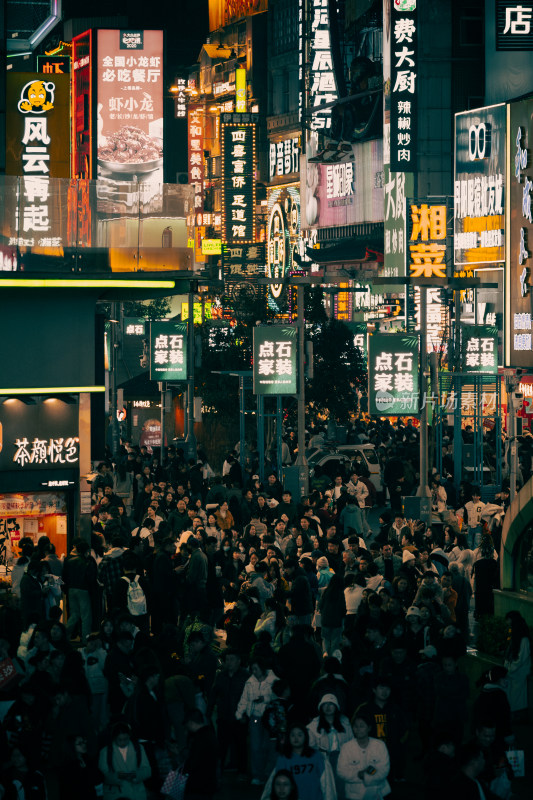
130	105
82	89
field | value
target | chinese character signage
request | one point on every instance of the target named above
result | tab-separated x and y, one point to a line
403	87
518	273
37	128
427	240
240	91
41	436
333	194
514	25
479	196
238	183
322	87
479	348
393	382
180	99
168	351
284	158
53	65
196	153
134	326
130	99
275	359
359	330
82	100
397	185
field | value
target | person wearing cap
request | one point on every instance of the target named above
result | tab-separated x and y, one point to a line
329	730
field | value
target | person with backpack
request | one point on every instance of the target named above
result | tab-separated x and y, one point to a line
130	592
124	765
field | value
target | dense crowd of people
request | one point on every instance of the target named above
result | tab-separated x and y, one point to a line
217	625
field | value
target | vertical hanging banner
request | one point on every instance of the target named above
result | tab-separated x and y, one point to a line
196	153
130	106
403	86
238	183
320	79
519	266
479	348
37	122
240	91
168	351
275	360
393	380
82	102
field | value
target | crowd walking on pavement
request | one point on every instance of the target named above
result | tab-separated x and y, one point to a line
218	634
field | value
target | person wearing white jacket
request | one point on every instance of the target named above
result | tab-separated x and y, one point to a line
364	764
329	731
256	695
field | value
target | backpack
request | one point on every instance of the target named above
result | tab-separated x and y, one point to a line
136	598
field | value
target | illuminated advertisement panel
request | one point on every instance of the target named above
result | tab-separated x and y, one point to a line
479	196
393	384
275	360
283	241
195	125
82	99
519	267
38	116
403	86
238	182
334	192
130	106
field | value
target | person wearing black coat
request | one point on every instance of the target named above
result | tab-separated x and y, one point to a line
300	596
332	606
201	762
31	593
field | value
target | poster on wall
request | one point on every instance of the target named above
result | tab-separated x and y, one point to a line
130	107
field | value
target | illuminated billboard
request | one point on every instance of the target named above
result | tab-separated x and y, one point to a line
238	181
518	273
393	383
82	101
479	216
130	106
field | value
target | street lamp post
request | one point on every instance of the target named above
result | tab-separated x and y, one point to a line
190	439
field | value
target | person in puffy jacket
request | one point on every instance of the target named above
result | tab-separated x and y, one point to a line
329	730
363	764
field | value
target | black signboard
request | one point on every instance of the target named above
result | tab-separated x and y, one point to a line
238	183
404	87
514	25
41	436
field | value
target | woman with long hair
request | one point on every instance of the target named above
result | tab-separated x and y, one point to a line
329	730
485	575
310	768
284	786
518	664
124	765
212	529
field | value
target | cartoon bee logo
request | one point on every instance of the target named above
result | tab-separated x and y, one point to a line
37	97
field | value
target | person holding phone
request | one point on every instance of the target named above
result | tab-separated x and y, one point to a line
124	765
363	763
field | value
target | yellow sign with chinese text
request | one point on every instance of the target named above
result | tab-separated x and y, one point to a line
427	244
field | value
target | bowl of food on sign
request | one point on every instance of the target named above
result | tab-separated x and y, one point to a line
130	150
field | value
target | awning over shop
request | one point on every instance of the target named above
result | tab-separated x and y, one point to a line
357	248
217	52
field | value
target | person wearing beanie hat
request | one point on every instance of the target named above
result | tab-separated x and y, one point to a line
329	730
324	573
